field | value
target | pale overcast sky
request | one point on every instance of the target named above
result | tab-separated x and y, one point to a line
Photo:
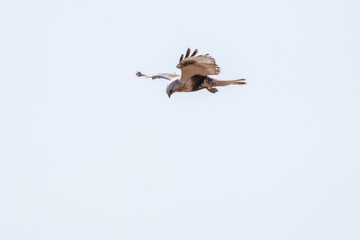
90	151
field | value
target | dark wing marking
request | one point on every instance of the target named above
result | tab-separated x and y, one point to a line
187	54
194	53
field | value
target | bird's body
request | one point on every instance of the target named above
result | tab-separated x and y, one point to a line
194	75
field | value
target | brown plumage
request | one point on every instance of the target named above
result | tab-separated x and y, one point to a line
195	71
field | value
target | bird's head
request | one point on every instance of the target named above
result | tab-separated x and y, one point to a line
172	87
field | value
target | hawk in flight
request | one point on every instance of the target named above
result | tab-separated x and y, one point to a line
195	71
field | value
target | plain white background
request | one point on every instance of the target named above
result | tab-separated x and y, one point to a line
90	151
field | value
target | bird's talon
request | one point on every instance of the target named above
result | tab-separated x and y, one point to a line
212	90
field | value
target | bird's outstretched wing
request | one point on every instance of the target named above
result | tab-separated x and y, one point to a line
197	65
166	76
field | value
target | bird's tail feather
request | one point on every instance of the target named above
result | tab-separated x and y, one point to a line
218	83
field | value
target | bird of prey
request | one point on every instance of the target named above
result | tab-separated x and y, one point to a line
195	71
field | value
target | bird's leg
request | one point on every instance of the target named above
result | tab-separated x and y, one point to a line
211	89
209	85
